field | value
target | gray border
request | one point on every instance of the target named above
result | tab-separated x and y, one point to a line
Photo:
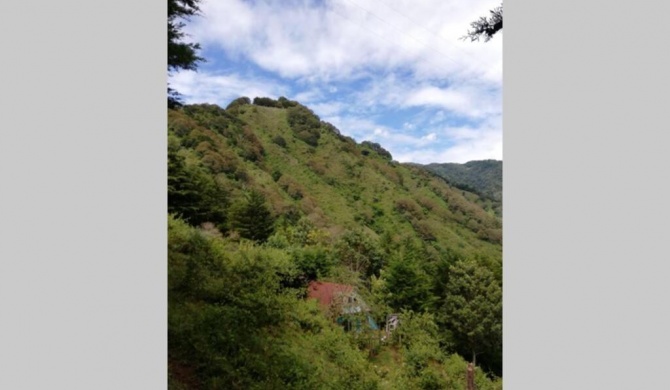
83	204
82	165
585	119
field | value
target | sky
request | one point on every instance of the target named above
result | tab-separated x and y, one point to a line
388	71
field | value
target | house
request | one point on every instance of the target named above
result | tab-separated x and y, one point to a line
344	301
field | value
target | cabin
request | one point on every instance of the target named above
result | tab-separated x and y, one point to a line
342	300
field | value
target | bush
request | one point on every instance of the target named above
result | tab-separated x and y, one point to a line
276	175
309	137
305	124
279	140
267	102
377	149
241	101
285	103
313	262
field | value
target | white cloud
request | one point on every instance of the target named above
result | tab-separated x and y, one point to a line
465	144
460	98
326	109
430	137
305	39
202	87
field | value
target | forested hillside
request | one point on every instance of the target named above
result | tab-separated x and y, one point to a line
265	198
481	177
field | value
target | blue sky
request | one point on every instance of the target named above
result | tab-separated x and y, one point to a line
387	71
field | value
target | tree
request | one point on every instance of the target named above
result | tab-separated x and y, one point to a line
408	284
251	218
473	308
359	253
486	28
181	55
194	195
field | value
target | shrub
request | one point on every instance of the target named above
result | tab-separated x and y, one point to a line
377	149
285	103
409	206
279	140
241	101
276	175
267	102
305	124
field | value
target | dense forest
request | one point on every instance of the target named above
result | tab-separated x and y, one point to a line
264	199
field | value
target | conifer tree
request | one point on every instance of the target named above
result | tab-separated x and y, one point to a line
251	217
407	282
181	55
473	308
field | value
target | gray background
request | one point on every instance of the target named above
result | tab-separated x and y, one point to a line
585	187
83	278
83	199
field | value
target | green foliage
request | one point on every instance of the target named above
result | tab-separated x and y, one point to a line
377	149
234	324
305	124
314	262
181	55
358	252
279	140
276	175
472	309
237	314
241	101
266	102
407	283
251	218
417	336
285	103
480	177
193	194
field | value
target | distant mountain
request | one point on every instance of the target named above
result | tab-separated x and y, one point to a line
481	177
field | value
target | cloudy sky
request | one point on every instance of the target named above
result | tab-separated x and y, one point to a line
387	71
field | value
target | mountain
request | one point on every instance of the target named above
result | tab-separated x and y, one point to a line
265	198
481	177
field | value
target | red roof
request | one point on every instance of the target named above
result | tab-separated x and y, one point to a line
324	292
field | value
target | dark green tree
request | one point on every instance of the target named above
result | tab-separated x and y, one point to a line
407	282
484	27
251	217
472	309
194	195
358	252
181	55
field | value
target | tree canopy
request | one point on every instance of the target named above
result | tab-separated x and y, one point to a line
256	213
486	27
473	308
181	55
251	217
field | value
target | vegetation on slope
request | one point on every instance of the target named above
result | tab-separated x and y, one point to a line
480	177
265	197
